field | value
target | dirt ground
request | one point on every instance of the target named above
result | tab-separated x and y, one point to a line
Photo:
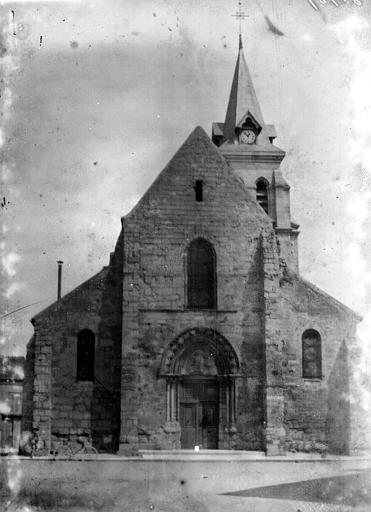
179	486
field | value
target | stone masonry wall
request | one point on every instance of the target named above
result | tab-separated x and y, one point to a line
73	408
28	387
42	405
318	412
275	324
156	235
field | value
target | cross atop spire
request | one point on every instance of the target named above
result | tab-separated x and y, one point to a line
244	127
240	16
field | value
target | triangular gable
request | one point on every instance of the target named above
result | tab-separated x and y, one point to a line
197	150
251	116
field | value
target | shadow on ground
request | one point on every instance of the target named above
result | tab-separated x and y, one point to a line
81	496
352	489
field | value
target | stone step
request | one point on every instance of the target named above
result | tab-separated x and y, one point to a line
202	454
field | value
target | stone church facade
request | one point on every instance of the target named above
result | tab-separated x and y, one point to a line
200	330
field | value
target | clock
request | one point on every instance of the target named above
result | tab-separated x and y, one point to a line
247	137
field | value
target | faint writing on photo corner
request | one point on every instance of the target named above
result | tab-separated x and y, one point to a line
337	3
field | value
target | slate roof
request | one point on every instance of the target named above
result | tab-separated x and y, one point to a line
243	102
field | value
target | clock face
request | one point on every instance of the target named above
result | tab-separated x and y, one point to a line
247	137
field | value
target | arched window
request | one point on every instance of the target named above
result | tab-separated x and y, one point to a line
85	355
262	193
201	275
312	358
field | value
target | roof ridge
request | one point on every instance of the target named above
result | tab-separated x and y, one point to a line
64	297
319	290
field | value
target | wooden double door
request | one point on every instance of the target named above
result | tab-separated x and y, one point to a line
199	413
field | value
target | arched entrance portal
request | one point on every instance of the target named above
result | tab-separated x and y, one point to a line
200	368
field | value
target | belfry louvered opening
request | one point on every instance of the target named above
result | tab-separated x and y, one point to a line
262	190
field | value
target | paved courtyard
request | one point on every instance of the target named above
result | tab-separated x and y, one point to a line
177	486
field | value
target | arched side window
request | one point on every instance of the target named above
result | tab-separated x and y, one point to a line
262	189
312	357
201	275
85	355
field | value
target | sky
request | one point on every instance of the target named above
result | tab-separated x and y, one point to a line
97	96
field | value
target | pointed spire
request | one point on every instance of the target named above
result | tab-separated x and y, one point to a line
242	98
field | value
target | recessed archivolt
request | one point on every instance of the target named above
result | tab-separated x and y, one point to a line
217	353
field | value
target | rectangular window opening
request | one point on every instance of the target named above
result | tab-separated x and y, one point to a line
198	190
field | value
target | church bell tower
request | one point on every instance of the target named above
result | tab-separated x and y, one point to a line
247	143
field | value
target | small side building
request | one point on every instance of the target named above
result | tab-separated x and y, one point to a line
11	387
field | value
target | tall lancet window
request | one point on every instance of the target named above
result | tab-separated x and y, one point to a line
201	275
312	358
262	189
